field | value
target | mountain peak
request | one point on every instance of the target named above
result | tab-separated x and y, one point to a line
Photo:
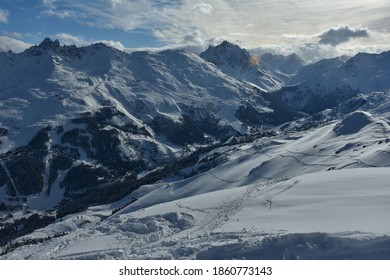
240	64
48	46
47	43
226	47
227	53
227	44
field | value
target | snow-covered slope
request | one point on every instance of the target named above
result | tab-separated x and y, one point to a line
307	195
282	67
358	140
308	72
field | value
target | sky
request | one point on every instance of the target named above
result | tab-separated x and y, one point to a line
311	28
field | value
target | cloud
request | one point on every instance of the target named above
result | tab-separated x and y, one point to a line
112	14
11	44
204	8
193	24
312	52
307	46
15	35
61	15
53	10
49	3
342	34
4	16
172	20
195	36
69	39
114	44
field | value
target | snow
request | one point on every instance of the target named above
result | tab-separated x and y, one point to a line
353	123
45	202
335	207
329	202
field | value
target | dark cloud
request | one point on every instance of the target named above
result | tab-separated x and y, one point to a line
342	34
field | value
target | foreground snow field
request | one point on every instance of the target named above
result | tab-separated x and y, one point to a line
335	214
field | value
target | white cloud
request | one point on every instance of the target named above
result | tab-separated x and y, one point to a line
8	43
15	35
4	16
195	36
69	39
61	15
49	3
115	44
204	8
52	10
126	15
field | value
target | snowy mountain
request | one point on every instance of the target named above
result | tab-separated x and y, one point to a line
318	68
174	155
238	63
329	82
111	116
280	66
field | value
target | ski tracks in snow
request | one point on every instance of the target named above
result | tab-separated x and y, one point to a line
227	209
164	236
202	233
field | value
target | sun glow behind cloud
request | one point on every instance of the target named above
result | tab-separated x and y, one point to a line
254	60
